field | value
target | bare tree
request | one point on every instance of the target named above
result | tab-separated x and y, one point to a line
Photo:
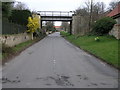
103	6
87	5
90	12
65	26
82	11
20	6
113	4
98	11
50	26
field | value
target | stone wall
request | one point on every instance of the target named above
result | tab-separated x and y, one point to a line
75	26
116	29
12	40
80	25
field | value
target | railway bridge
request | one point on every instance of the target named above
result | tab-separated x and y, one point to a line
57	16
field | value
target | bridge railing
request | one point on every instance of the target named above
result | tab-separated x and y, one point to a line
55	13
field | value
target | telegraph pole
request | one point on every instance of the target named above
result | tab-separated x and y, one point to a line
90	18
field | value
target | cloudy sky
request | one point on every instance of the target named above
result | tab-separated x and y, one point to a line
56	5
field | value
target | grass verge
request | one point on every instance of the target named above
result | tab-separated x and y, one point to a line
9	52
106	49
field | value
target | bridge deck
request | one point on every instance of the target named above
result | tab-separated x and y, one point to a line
55	15
56	18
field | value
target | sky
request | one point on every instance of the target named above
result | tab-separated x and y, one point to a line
56	5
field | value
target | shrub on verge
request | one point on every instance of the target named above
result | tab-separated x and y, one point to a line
103	26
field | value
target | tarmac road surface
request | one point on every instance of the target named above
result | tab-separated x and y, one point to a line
55	63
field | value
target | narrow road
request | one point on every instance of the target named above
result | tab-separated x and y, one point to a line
55	63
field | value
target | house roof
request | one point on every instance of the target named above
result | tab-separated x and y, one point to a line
57	26
115	11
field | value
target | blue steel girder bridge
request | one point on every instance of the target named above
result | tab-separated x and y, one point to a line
57	16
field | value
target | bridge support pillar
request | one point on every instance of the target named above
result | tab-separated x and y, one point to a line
41	24
70	27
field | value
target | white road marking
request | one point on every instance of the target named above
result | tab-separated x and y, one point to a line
54	61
